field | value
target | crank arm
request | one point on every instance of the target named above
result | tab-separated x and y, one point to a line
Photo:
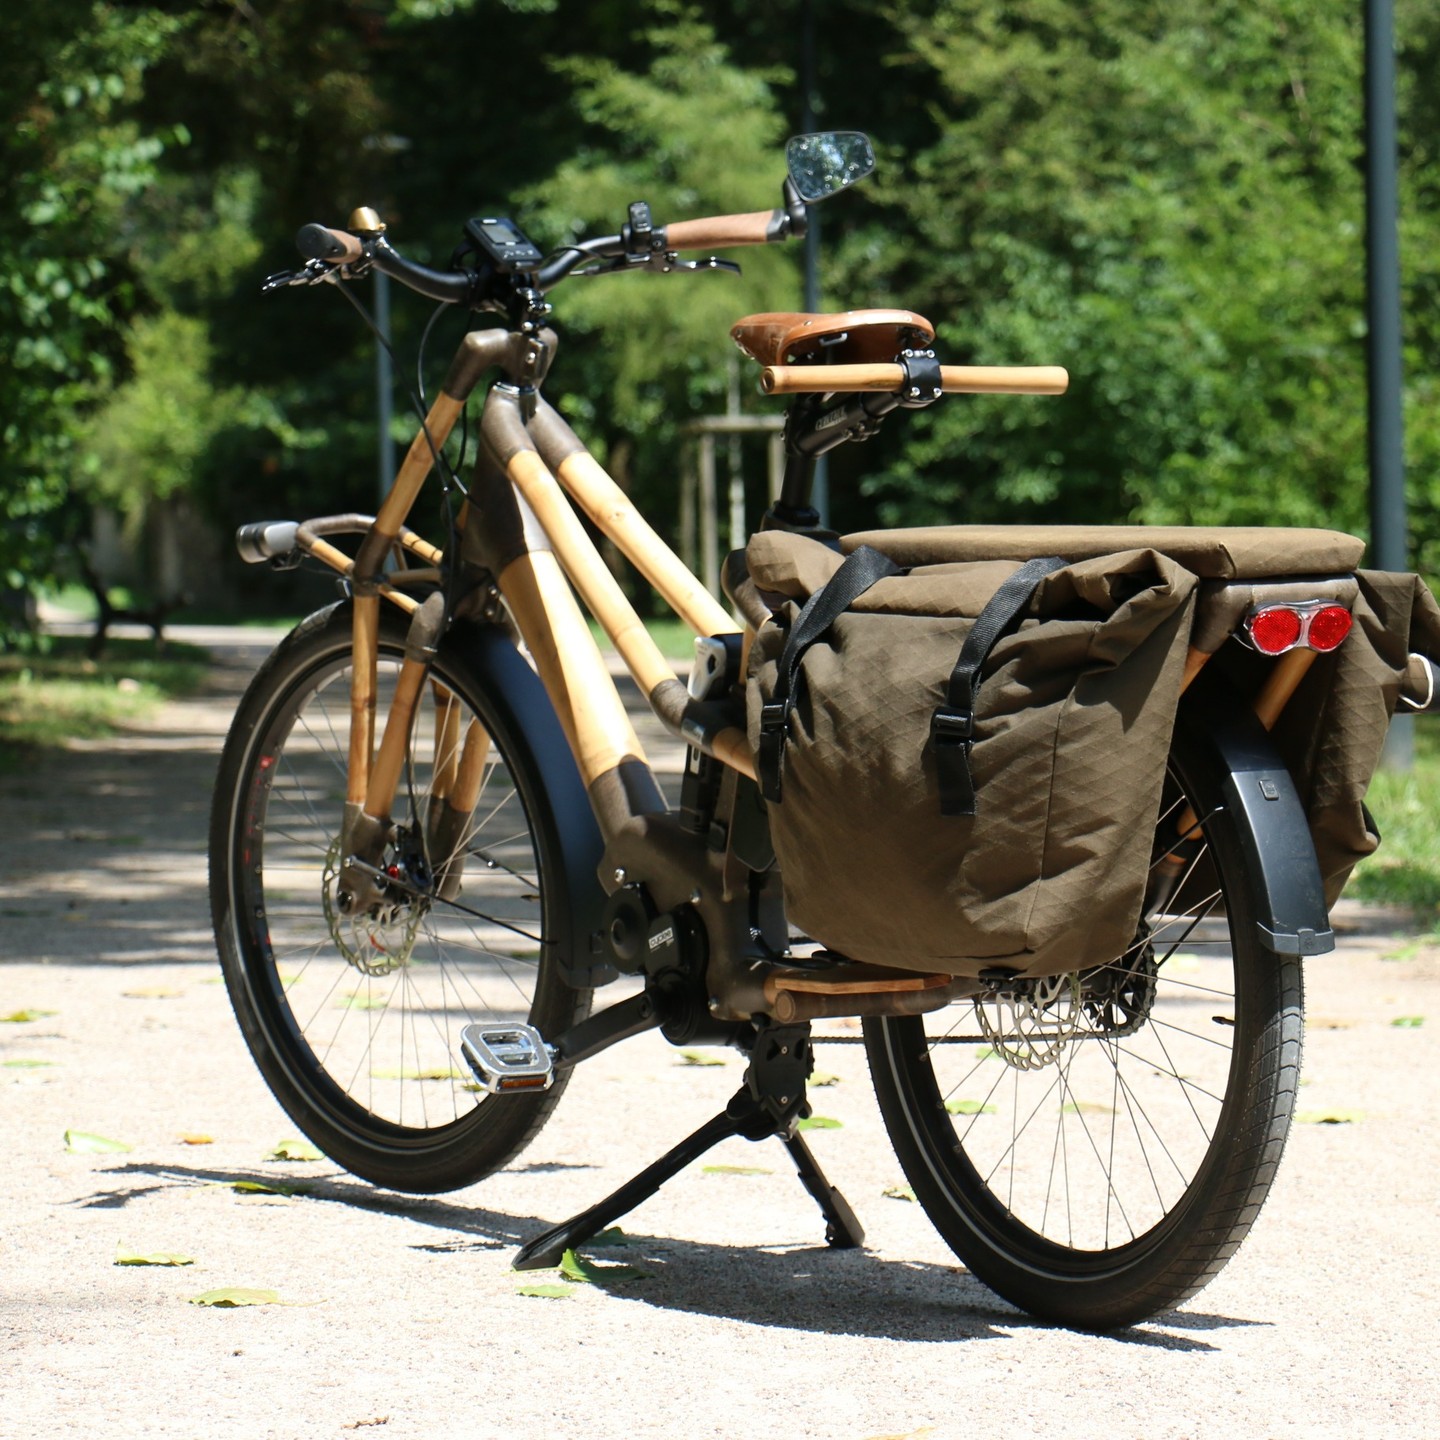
605	1028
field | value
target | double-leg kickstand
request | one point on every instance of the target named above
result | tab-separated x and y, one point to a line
768	1103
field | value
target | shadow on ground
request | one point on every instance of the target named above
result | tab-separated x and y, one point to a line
846	1292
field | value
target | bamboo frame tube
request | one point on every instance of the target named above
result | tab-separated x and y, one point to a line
431	554
588	572
385	775
610	508
340	562
418	462
472	769
1195	661
570	666
364	654
732	747
447	741
1281	684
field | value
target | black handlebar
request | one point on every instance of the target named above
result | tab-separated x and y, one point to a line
455	287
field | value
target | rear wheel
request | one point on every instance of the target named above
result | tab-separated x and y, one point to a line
355	1019
1096	1147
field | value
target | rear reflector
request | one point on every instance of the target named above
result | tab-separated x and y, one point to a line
1329	627
1315	624
1274	631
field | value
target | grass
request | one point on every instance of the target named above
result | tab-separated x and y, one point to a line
47	699
1406	869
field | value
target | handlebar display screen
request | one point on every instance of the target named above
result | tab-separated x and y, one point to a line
503	242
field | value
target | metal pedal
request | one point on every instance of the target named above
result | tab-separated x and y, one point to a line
508	1058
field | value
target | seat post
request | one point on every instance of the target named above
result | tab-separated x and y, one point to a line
793	510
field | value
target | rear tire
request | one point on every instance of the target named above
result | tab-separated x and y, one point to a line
356	1025
1117	1178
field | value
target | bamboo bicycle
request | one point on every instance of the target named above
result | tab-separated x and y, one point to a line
436	837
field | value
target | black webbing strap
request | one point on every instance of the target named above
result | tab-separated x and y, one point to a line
859	572
952	726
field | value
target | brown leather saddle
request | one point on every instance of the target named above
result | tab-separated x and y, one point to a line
848	337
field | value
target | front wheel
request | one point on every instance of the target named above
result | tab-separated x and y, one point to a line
354	1019
1095	1147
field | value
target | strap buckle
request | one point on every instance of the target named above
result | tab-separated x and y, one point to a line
952	727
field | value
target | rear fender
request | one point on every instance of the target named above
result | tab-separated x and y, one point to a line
1249	789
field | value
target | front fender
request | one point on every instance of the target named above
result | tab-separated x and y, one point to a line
531	731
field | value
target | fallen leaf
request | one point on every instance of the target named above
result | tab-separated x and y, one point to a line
969	1107
80	1142
197	1139
698	1057
26	1064
1328	1117
546	1291
361	1002
819	1122
294	1150
361	1424
1405	1022
578	1267
24	1017
259	1187
898	1192
823	1077
735	1170
232	1297
614	1238
1086	1107
153	992
437	1072
131	1257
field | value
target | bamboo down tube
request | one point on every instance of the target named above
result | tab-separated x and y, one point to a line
610	508
588	572
574	674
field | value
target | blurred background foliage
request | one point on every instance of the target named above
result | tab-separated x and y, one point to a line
1168	200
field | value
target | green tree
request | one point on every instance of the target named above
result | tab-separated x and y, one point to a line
1166	202
71	162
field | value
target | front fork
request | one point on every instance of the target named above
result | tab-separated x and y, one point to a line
367	829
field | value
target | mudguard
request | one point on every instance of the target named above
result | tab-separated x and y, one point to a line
531	727
1249	789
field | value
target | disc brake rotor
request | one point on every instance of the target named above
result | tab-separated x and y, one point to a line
1029	1027
376	941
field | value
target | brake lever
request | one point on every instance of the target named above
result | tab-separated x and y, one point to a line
711	262
663	262
315	272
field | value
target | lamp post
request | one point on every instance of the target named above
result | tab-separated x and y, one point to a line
1382	253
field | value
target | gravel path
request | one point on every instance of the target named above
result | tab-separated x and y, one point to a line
403	1317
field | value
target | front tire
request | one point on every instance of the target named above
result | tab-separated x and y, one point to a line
1116	1177
355	1023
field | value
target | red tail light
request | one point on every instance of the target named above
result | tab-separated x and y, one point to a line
1315	624
1328	627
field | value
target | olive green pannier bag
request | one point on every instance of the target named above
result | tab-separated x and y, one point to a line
963	762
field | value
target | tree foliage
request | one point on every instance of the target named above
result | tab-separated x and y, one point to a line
1168	201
